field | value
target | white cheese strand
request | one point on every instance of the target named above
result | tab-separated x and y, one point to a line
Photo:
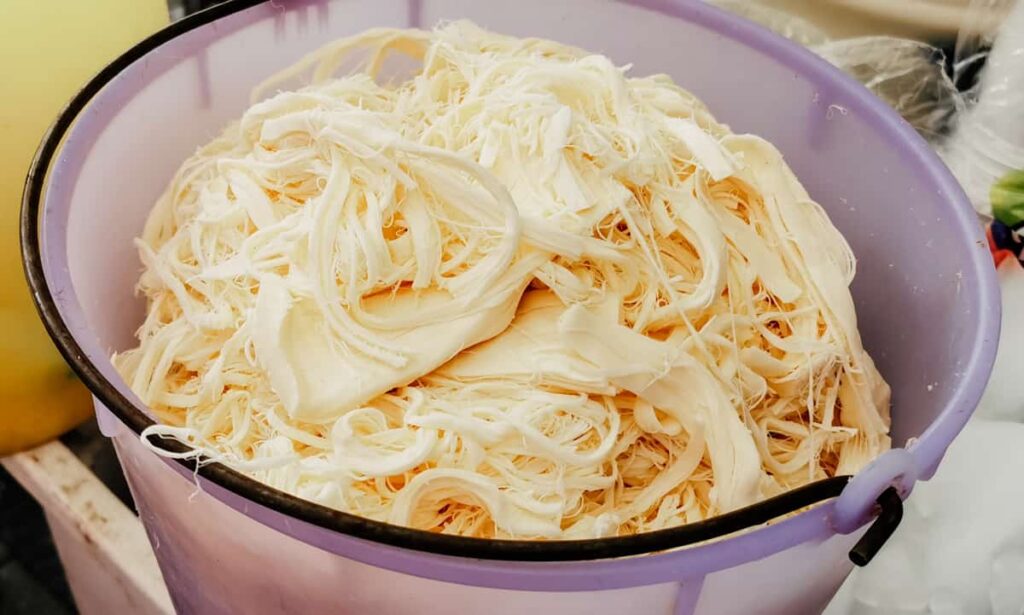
511	292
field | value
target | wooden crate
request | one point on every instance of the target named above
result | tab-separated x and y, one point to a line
107	558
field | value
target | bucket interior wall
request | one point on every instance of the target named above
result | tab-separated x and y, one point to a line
914	301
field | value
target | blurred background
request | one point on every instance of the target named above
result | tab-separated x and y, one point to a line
924	57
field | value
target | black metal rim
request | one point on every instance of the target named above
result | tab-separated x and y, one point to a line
322	516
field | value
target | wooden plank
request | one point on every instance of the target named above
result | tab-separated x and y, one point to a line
108	559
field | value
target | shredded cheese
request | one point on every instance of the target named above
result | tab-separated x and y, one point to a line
515	293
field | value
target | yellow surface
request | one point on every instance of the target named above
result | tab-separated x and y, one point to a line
917	19
48	49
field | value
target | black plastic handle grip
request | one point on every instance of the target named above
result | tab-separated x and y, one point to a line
890	513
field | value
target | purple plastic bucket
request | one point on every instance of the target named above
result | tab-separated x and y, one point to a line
925	292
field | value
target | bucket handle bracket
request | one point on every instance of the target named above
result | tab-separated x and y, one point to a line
877	491
890	513
858	502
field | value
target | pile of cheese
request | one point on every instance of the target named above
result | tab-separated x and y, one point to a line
512	292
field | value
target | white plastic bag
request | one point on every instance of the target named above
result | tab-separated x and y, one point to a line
907	74
988	140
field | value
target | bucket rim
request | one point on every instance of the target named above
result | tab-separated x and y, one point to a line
747	518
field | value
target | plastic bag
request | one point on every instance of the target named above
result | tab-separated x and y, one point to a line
793	27
908	75
978	130
987	145
978	30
